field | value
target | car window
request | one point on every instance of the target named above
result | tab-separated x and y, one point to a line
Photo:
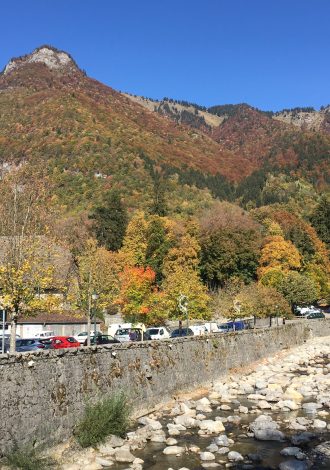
57	341
153	331
71	339
122	332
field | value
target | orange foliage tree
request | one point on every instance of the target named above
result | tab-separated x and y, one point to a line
136	291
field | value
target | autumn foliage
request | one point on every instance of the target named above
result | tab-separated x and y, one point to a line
135	293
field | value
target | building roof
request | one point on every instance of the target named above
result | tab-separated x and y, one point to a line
54	318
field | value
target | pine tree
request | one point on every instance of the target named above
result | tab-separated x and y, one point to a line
321	220
158	245
110	221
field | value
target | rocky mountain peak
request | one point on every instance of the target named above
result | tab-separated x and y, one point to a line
53	58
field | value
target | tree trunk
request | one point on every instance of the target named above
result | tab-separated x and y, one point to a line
254	321
89	309
13	324
89	320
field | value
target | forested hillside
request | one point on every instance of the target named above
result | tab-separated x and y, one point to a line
155	200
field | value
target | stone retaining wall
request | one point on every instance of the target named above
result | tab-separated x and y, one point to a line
43	395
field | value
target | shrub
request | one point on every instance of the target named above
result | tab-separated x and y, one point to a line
109	416
27	458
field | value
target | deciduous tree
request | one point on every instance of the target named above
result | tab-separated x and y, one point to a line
280	254
25	270
298	289
136	287
135	240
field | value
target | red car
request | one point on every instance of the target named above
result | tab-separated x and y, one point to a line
61	342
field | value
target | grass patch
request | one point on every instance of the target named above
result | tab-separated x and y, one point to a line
27	458
109	416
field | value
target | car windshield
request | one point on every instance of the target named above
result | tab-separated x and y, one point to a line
153	331
122	332
71	340
183	331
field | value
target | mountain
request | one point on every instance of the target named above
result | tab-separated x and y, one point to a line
296	141
306	118
85	138
47	101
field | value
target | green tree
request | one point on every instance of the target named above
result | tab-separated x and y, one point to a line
158	206
227	254
321	219
110	221
158	245
298	289
302	241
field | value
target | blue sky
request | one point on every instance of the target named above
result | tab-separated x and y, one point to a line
269	53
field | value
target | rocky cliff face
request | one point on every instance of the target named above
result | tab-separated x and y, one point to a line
305	120
49	56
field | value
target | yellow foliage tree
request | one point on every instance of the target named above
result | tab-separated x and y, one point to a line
185	254
25	273
182	277
98	271
261	301
135	241
278	253
25	268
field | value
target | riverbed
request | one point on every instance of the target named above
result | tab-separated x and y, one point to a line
272	415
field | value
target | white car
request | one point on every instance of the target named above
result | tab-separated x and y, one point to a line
198	330
129	334
81	337
303	311
157	332
45	334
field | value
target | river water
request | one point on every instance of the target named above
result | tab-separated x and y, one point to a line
245	444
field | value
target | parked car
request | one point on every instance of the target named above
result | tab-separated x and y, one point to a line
23	345
61	342
28	344
182	332
232	326
199	330
313	315
112	329
45	334
82	337
157	332
102	339
224	328
129	334
210	327
303	311
6	347
47	342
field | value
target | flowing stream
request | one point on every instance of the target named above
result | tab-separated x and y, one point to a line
267	452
